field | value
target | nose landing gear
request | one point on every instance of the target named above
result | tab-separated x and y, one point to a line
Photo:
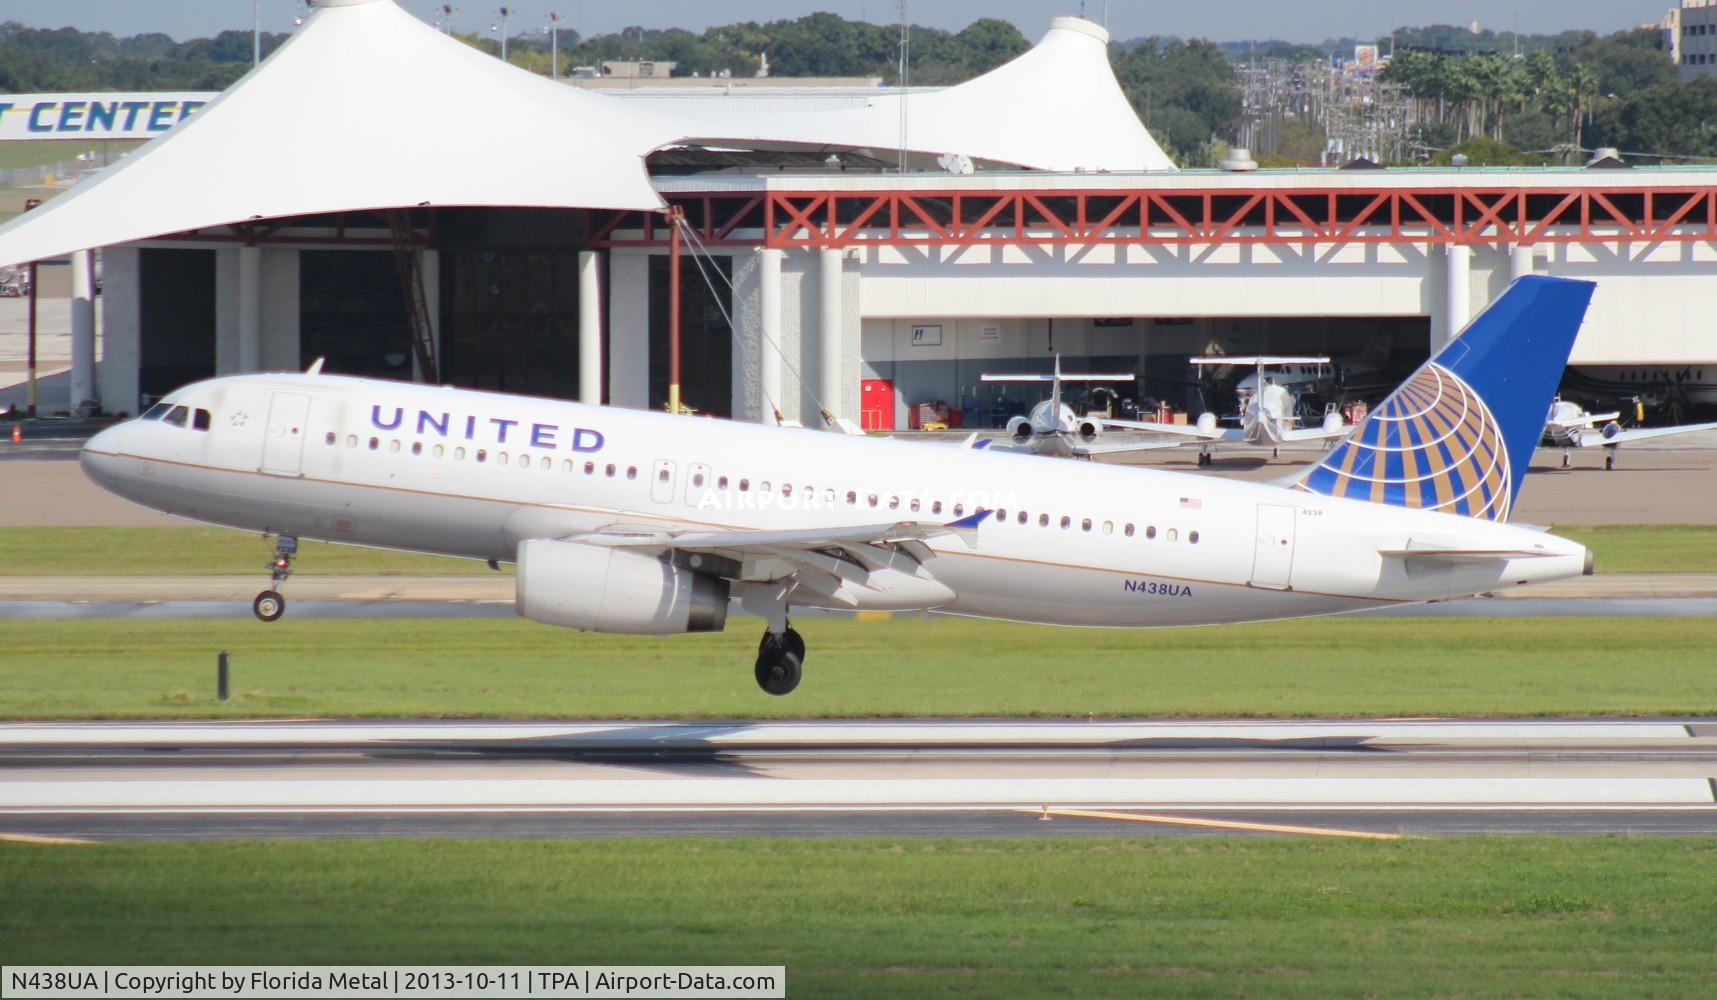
780	656
269	605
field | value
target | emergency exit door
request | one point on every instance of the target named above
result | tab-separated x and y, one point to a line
1273	554
283	446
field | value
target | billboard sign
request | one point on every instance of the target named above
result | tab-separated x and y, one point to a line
95	116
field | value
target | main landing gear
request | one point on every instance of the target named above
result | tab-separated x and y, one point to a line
1204	458
779	658
269	605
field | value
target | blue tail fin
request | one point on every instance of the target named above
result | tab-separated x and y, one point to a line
1459	434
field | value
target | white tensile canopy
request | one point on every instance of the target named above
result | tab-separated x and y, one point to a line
367	107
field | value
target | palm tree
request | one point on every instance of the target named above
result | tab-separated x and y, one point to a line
1583	82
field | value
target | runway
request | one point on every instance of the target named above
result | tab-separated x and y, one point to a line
121	780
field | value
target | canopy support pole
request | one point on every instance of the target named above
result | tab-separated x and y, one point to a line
676	217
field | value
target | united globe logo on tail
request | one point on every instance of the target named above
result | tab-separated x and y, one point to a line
1433	444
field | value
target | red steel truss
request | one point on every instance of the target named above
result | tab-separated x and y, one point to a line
1504	215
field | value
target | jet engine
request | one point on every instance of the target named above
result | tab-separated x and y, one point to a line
1088	430
1019	428
1610	430
601	589
1332	421
1207	421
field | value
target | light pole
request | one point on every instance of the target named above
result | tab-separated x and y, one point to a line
502	28
446	25
553	30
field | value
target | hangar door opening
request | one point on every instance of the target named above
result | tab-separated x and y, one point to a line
706	339
936	364
176	319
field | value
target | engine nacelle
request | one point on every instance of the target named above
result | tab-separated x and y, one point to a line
1610	430
601	589
1089	429
1207	422
1332	422
1019	428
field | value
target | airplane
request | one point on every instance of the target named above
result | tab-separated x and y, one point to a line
1570	426
636	522
1054	429
1266	417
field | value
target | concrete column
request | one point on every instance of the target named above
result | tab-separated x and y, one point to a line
121	334
589	328
769	351
1519	261
628	329
1457	293
249	308
83	330
832	328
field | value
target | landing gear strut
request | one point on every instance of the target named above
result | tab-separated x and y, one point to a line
269	605
779	658
1204	458
1609	459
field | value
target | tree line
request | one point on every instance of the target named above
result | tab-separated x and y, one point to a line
1571	90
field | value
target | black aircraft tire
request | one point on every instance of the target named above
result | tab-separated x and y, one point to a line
778	674
268	606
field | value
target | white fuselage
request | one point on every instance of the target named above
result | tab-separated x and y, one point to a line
465	473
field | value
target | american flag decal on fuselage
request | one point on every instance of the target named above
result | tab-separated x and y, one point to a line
1433	444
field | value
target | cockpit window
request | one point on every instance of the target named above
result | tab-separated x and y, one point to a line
201	420
176	416
157	411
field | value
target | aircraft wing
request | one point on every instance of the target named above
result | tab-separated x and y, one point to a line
1121	447
1640	434
1178	430
1318	433
1588	420
773	542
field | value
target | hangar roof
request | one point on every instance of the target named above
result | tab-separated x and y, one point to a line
367	107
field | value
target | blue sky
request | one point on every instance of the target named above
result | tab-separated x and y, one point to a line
1295	20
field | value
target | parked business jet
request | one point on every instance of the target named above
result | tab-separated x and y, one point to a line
1570	426
638	522
1266	418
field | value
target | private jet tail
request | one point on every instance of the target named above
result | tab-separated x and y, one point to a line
1458	435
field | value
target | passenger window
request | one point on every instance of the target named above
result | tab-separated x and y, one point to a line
721	483
440	450
662	476
1150	531
459	454
852	498
1108	527
590	468
1085	525
786	490
375	443
745	486
1024	517
176	416
1128	531
483	455
417	447
393	446
566	465
914	505
873	499
156	412
1192	538
500	457
959	510
1001	515
1174	534
1066	522
1043	520
697	477
936	507
351	440
547	463
200	420
609	472
893	503
763	487
631	472
329	439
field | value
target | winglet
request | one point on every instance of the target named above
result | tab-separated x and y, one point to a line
315	367
970	520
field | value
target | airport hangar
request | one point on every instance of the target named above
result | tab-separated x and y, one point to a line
814	273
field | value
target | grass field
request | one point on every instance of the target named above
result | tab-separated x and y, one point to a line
1565	917
906	666
149	551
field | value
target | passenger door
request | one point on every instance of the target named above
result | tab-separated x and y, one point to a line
1273	555
283	446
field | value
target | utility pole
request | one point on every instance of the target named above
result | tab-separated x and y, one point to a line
676	219
905	43
553	30
502	28
446	25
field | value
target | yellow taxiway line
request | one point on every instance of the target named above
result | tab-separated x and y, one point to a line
1221	824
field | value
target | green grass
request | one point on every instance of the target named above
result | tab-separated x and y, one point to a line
176	551
1566	917
168	551
1648	548
40	152
907	666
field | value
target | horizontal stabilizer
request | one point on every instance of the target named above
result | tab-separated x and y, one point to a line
1259	360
